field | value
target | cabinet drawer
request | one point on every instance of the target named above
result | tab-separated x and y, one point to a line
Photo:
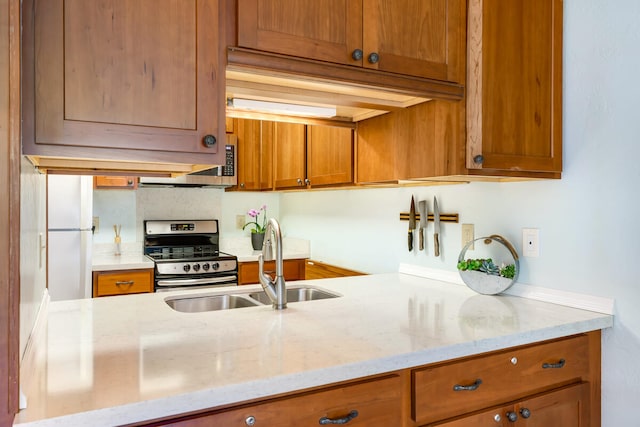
378	404
248	271
122	282
497	378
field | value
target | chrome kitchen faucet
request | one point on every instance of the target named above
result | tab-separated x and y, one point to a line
274	288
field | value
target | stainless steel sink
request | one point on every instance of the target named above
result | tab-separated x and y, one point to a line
200	303
295	295
238	299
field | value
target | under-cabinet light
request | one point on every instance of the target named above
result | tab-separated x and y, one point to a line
281	108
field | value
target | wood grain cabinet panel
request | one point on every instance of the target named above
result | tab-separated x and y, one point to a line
329	155
376	403
409	37
115	182
514	86
255	155
124	80
122	282
500	377
567	407
248	271
290	155
319	270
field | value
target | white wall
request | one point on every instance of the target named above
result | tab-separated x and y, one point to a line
130	208
588	221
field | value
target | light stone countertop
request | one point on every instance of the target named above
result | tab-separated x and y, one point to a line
125	261
118	360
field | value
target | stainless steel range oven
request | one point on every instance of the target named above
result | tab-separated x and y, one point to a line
186	255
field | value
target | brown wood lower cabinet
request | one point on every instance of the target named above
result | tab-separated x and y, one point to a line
555	383
320	270
376	403
122	282
567	407
248	271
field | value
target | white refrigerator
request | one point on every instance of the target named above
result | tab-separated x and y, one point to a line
69	236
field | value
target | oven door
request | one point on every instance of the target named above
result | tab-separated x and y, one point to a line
174	283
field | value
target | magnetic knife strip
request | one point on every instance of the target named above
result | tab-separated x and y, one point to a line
444	217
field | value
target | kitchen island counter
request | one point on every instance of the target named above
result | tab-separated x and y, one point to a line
113	361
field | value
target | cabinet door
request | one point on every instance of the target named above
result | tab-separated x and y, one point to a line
424	38
514	106
567	407
125	79
328	30
329	155
290	155
249	154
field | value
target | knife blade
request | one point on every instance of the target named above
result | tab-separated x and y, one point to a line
422	208
412	223
436	227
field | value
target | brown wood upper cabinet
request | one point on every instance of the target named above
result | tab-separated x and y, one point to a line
410	37
255	155
312	155
514	86
124	80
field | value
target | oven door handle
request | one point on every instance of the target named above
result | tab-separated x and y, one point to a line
190	282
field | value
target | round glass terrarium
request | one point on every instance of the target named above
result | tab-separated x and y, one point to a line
493	268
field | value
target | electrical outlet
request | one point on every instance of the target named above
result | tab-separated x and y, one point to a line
239	221
467	235
96	224
530	242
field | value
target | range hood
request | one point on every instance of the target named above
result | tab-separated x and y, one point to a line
356	93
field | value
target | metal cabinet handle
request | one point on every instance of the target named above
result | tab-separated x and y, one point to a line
525	412
299	181
558	365
128	283
307	181
373	58
326	420
478	159
512	416
357	54
250	420
471	387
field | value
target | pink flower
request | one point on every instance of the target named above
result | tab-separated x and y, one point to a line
253	213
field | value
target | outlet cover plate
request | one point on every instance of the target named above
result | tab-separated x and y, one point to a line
530	242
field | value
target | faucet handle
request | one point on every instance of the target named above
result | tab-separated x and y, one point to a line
267	248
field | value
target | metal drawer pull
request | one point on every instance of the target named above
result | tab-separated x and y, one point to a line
325	420
558	365
471	387
128	283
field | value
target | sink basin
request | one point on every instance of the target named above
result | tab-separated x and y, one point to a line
209	303
239	299
296	294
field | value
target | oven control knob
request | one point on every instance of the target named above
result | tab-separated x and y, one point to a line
205	266
215	266
186	268
196	267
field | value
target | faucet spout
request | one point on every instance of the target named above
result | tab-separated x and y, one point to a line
275	288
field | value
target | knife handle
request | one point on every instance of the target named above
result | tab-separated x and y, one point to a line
410	241
421	239
436	244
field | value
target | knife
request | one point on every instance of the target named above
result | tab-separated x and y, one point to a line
412	223
436	228
422	208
